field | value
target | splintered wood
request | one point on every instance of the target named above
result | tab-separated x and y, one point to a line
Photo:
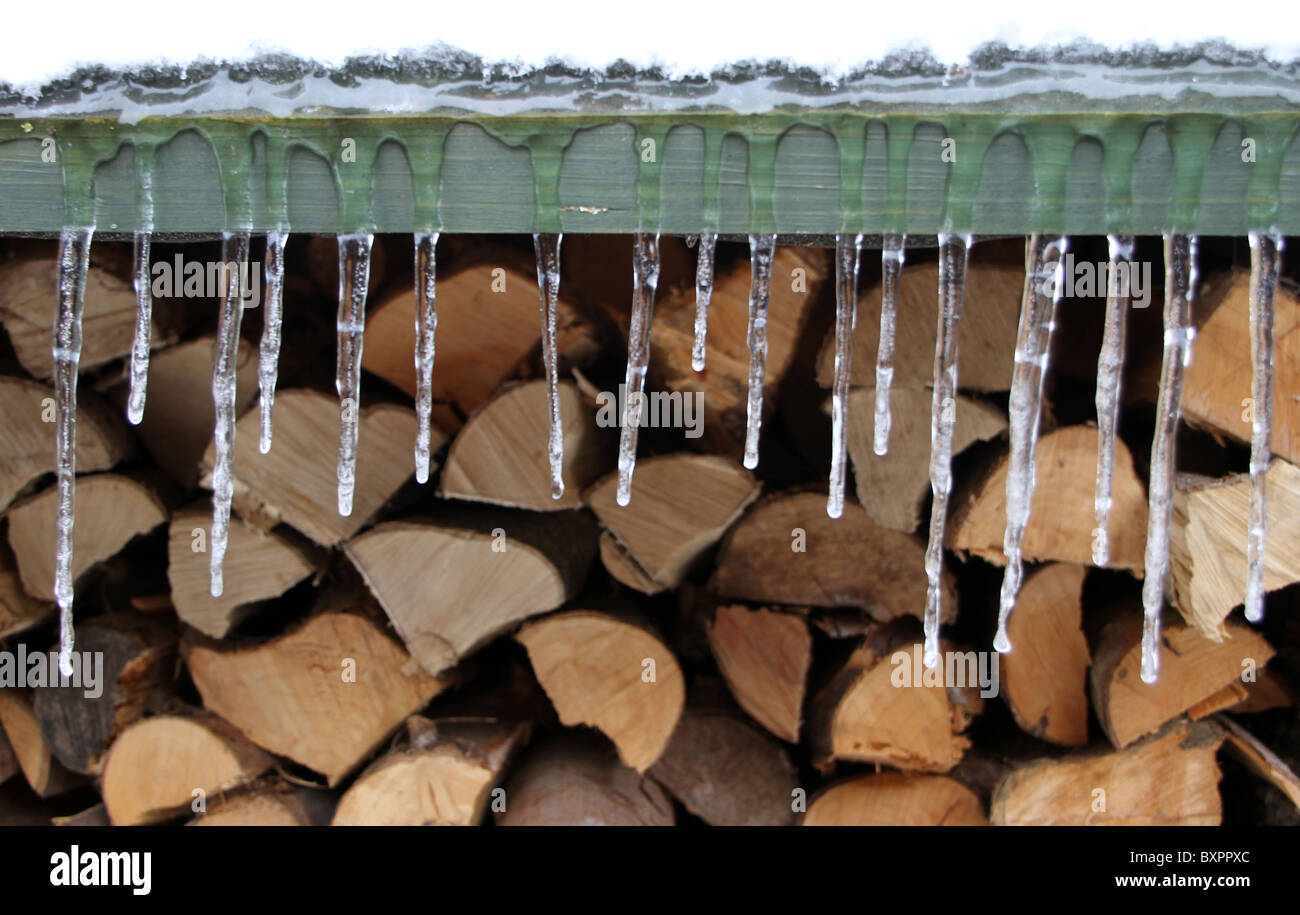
731	647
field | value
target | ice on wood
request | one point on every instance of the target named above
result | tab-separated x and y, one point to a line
645	280
953	250
1180	287
847	251
703	295
1265	265
426	325
234	254
143	329
1043	273
547	247
354	278
1110	370
761	248
268	352
891	267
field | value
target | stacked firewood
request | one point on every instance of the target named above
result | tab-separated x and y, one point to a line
719	650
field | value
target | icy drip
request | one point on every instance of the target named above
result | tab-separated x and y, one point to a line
234	256
547	247
268	352
891	263
354	278
1033	348
426	325
74	254
1180	286
761	248
143	328
847	251
703	295
1110	369
1265	265
645	279
952	291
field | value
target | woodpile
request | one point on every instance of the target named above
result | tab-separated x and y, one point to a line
719	651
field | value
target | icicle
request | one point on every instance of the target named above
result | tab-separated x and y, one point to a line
645	279
703	295
847	250
426	324
234	258
268	353
891	263
74	254
1110	368
761	248
1265	265
952	290
143	329
1033	348
1180	287
354	278
548	282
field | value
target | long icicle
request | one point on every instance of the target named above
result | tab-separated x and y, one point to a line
848	249
426	325
143	329
354	279
74	258
645	280
703	296
953	250
547	247
234	258
1110	370
1043	254
1265	266
1180	287
268	352
761	249
891	267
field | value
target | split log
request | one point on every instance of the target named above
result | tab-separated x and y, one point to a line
892	487
91	816
570	781
764	656
787	551
1216	390
610	674
297	481
324	695
506	565
178	416
445	778
259	565
204	757
19	611
1259	759
1192	668
882	707
27	308
111	511
133	668
1269	691
276	804
727	772
798	275
681	505
488	322
994	285
27	416
1061	520
45	774
1207	543
618	562
1170	779
500	456
895	799
1045	676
